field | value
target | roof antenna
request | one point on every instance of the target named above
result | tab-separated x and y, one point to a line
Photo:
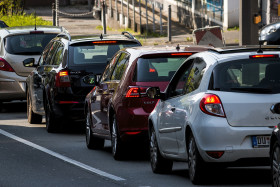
35	21
260	49
101	37
178	47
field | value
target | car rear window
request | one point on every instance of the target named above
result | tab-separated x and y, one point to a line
247	75
157	69
84	54
27	44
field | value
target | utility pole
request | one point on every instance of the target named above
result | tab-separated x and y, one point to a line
248	30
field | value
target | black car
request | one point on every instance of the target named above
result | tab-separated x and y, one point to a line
3	24
270	34
275	156
66	72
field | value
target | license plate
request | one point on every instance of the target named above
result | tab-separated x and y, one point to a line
261	141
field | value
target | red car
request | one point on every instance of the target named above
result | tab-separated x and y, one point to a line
117	108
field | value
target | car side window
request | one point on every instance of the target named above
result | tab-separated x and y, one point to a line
195	75
109	68
120	66
50	53
45	54
58	55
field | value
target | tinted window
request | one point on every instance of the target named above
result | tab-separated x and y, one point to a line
51	53
109	68
28	44
157	69
58	56
89	53
120	67
247	75
45	54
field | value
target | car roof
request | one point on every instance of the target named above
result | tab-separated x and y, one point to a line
27	29
124	36
147	50
238	52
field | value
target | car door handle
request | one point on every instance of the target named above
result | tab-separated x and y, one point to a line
173	109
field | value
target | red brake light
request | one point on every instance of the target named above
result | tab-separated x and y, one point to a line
5	66
36	32
215	154
104	42
133	133
62	79
135	92
264	56
212	105
181	54
152	70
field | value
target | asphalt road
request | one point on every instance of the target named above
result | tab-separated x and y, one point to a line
29	156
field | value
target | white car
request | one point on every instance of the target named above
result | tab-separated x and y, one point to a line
16	45
218	109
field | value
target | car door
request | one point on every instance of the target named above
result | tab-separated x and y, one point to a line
101	95
36	84
172	115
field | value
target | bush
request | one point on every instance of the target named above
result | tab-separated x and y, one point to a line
24	20
11	7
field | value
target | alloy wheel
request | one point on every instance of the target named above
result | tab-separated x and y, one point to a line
153	149
192	158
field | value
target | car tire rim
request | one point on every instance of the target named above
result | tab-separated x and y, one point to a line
153	149
29	109
88	133
276	166
192	158
47	115
114	136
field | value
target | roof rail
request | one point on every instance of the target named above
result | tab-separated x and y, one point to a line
239	49
128	35
65	36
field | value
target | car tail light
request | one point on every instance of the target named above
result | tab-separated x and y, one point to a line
212	105
62	79
181	54
5	66
215	154
264	56
136	92
133	132
104	42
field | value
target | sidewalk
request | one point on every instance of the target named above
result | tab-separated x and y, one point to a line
87	25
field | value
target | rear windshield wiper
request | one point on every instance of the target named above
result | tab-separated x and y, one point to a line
255	90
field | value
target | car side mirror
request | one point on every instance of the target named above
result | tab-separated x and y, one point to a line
154	93
29	62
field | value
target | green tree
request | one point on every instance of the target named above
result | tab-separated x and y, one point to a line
11	7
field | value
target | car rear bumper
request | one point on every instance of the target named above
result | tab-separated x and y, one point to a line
67	111
12	86
235	142
133	124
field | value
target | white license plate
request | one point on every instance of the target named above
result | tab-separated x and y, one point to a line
260	141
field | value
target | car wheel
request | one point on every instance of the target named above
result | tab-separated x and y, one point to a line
92	142
101	107
158	163
51	124
117	144
195	162
31	116
275	165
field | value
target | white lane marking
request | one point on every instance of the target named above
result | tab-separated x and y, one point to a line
64	158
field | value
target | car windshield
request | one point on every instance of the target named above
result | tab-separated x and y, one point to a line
27	44
247	75
84	54
158	69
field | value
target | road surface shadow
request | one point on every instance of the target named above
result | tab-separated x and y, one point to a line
13	107
233	176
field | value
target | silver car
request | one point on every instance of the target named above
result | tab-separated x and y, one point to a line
16	45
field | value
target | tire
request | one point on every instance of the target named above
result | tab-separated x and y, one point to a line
31	116
197	169
275	162
101	107
92	141
51	123
117	144
158	163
